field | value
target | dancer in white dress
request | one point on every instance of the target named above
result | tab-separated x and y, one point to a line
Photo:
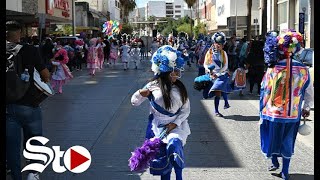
134	53
125	56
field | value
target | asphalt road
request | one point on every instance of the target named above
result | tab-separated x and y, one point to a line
96	113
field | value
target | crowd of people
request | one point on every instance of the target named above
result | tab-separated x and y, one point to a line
222	69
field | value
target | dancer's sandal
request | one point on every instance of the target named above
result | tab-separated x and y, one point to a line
273	168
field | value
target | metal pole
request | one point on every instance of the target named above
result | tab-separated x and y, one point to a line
236	16
73	18
255	28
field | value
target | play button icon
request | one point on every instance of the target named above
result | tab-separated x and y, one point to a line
77	159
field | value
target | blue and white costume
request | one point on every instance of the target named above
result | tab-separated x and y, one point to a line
165	60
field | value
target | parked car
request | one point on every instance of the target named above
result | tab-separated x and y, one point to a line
307	58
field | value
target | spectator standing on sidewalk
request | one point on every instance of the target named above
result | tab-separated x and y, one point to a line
170	96
256	67
24	113
232	54
285	85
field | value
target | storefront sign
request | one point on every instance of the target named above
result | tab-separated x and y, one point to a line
62	5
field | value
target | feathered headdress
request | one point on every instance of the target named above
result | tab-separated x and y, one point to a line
270	49
290	42
166	59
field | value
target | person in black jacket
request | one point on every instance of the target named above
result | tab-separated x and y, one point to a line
255	60
26	112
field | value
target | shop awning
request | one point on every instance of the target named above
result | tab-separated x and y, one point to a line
95	15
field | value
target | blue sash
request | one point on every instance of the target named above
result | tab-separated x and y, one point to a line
159	108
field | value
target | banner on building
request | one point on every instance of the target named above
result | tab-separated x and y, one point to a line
301	23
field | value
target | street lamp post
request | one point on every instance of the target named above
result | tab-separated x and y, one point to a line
73	18
235	4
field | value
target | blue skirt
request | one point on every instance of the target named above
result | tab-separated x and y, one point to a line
278	138
173	150
222	83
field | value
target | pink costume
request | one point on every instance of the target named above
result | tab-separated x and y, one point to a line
92	59
100	53
62	72
113	53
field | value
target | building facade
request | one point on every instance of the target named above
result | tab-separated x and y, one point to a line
39	14
159	9
284	14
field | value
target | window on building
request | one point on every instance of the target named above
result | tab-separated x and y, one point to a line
177	11
169	12
283	12
178	6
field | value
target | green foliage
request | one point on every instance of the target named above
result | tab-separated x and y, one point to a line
184	28
199	29
126	28
182	24
67	29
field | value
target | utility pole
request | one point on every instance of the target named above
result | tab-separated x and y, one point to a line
73	18
236	17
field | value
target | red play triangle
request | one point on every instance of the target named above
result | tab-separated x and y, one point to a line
76	159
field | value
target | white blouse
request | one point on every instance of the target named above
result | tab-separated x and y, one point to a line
182	130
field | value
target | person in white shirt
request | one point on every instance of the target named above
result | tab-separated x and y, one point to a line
171	95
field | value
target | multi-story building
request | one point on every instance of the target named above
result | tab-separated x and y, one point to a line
284	14
114	8
98	9
100	6
156	8
159	9
137	15
228	16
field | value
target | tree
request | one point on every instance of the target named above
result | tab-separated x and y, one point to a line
67	29
126	28
126	7
190	3
264	17
199	29
184	28
249	7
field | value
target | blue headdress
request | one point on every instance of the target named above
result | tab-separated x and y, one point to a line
219	37
270	49
166	59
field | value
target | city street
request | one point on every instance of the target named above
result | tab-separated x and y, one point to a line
96	113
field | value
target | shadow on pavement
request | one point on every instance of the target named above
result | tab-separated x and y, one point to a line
242	118
206	146
301	176
296	176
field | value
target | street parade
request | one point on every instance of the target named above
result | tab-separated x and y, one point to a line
157	101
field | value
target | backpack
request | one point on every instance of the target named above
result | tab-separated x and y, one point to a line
15	87
240	79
